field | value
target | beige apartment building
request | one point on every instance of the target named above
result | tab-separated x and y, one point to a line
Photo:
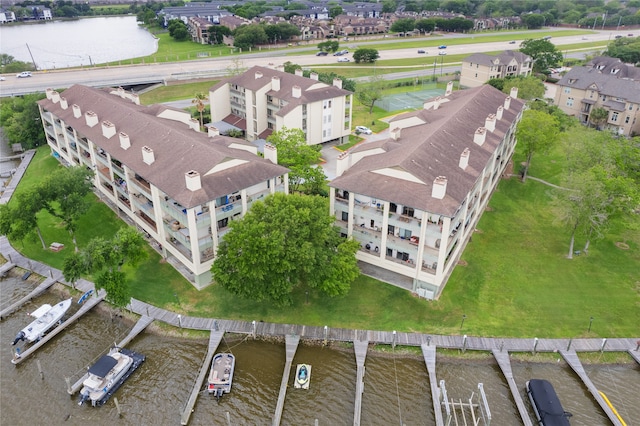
414	199
264	100
603	83
479	68
180	186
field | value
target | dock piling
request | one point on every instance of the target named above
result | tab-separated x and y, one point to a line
40	369
464	343
117	407
253	328
535	344
569	345
604	342
393	342
228	419
326	330
180	320
68	382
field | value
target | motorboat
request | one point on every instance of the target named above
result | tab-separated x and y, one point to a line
303	376
546	403
108	374
221	374
47	317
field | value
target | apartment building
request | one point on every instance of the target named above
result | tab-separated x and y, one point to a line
479	68
177	184
603	83
414	199
264	100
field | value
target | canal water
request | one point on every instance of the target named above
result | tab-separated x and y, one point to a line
63	44
396	386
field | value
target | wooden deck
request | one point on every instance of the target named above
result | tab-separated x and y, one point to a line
360	347
86	307
505	365
291	346
214	341
429	354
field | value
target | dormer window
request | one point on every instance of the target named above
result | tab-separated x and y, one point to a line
572	80
615	70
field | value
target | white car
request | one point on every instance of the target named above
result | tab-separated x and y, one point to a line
363	129
442	52
24	74
343	59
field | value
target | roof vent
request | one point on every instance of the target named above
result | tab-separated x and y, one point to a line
213	131
192	179
514	93
395	133
258	75
439	189
464	158
77	112
63	102
91	118
147	155
480	136
125	142
299	72
55	97
296	91
48	92
313	76
449	88
108	129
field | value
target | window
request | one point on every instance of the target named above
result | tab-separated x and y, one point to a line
326	104
626	120
345	216
614	116
630	107
223	223
567	90
407	211
569	102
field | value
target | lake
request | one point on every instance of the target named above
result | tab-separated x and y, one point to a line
64	44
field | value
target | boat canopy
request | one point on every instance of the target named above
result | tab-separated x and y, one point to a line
103	366
547	403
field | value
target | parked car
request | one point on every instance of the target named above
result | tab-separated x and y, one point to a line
630	35
422	51
442	52
442	46
343	59
321	54
24	74
1	78
618	36
363	129
512	42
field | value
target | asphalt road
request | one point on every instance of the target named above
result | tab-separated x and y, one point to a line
216	67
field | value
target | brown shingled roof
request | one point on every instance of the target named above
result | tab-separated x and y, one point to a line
177	149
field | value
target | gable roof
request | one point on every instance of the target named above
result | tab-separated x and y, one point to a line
503	58
432	149
177	149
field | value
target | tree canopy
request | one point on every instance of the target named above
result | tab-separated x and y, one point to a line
543	53
285	243
537	132
365	55
627	49
529	87
20	120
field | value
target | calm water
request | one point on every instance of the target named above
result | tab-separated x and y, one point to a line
77	43
396	388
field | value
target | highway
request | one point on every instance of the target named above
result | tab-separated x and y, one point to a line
218	67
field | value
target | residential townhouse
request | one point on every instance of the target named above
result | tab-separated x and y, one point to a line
212	12
180	186
199	29
603	83
414	199
263	100
479	68
7	16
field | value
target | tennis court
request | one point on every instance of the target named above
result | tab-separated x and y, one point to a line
409	100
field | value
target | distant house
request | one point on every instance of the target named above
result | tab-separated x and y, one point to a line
414	199
199	29
212	12
41	13
7	16
603	83
479	68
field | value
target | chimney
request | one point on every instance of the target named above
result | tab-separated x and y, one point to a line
147	155
436	102
490	122
449	88
121	92
48	92
296	91
258	75
192	179
194	124
439	188
125	142
507	102
464	159
275	83
499	112
213	131
63	102
91	118
342	163
313	76
108	129
55	97
271	153
337	82
135	98
479	136
299	72
77	113
514	93
395	133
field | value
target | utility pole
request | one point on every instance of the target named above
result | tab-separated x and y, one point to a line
32	60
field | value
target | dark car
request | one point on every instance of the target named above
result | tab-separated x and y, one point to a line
512	42
321	54
422	51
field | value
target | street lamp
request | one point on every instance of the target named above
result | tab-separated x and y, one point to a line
464	317
590	322
307	294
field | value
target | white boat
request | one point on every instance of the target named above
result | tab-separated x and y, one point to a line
303	376
47	317
221	374
108	374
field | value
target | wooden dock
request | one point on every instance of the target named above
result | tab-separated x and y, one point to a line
6	268
505	365
291	342
42	287
93	301
429	354
572	359
214	340
360	347
635	354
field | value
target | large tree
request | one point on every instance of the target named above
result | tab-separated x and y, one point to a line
200	101
372	92
365	55
403	25
537	132
529	87
282	244
20	120
627	49
217	33
543	53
